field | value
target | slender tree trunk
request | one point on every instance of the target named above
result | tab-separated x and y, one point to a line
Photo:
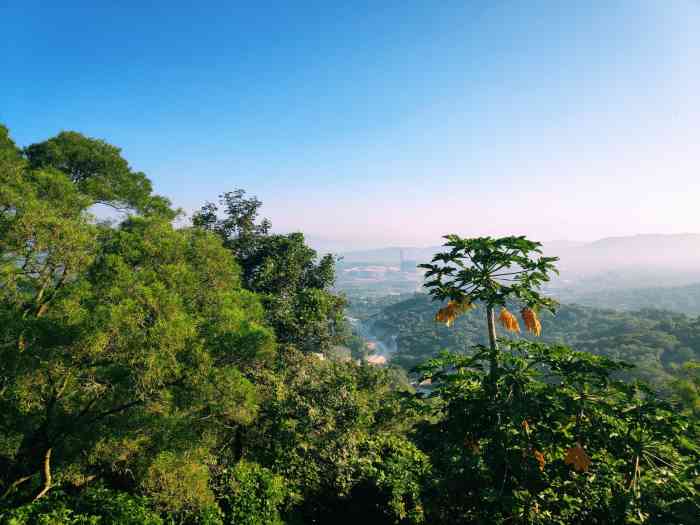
45	475
493	344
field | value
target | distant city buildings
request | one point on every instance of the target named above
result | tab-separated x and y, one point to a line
370	272
376	360
379	279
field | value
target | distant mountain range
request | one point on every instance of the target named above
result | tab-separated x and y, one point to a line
681	299
641	260
680	251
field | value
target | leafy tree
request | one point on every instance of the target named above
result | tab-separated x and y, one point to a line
293	283
333	431
238	227
9	152
99	171
546	436
118	345
492	272
561	443
92	506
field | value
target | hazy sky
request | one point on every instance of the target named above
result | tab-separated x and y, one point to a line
375	123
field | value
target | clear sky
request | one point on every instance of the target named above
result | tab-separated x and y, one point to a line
374	123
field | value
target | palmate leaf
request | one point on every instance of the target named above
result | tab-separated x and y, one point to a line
491	271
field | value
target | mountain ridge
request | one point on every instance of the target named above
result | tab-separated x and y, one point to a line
392	254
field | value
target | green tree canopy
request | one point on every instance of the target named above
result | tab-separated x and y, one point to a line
559	443
118	344
99	171
294	284
332	430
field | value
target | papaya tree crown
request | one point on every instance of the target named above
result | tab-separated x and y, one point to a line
492	271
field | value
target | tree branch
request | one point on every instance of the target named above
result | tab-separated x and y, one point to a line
45	475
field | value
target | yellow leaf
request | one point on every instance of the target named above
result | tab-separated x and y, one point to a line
539	456
472	445
532	323
448	314
578	458
526	426
509	321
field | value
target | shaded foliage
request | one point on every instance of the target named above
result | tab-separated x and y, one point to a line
96	505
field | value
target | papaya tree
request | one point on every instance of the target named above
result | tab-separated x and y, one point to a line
548	434
494	272
562	441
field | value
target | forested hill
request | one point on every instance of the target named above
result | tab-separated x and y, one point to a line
684	299
653	340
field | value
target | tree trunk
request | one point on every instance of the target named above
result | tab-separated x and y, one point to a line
45	475
493	345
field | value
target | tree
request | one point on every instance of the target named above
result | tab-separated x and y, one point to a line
99	171
517	444
93	505
294	284
9	152
561	442
334	432
118	345
492	272
238	228
250	494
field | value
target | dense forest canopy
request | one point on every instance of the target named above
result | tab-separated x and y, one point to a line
154	374
681	299
656	341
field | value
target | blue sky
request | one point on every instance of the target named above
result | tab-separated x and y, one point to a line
373	123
